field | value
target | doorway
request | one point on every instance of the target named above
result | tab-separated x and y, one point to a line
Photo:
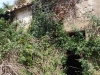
73	65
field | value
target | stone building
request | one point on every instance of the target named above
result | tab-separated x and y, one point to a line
73	13
21	15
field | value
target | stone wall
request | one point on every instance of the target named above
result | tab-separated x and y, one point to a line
72	12
84	8
96	8
23	17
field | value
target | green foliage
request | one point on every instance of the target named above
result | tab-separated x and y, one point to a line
5	7
25	72
44	47
44	24
77	43
6	36
26	57
26	52
2	11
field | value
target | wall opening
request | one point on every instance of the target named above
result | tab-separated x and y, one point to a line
78	33
73	65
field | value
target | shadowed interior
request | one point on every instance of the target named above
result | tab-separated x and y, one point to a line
73	65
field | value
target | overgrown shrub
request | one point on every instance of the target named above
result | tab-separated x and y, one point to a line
44	47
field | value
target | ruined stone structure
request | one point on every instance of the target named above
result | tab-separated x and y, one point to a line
73	13
22	15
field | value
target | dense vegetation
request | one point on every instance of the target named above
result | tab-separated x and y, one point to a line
44	46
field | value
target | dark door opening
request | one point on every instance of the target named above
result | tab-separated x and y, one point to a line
80	34
73	65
